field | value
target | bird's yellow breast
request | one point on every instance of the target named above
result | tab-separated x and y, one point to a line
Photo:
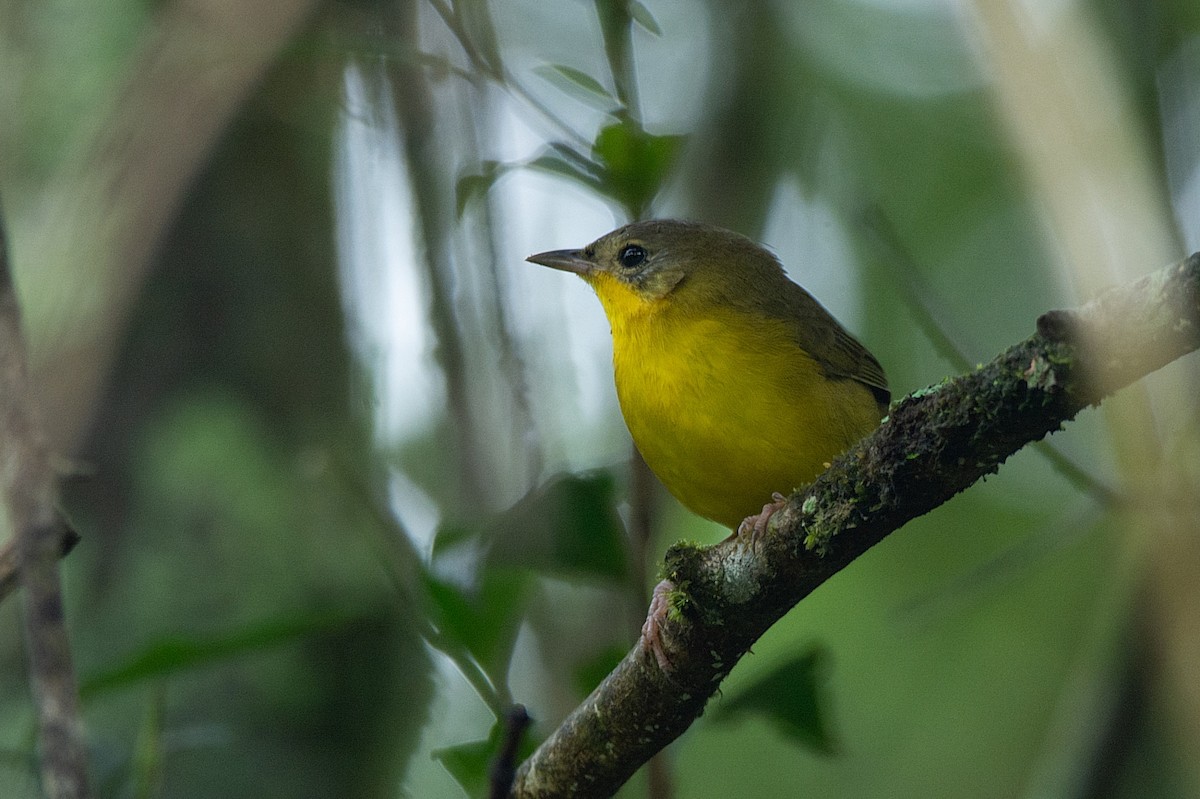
724	405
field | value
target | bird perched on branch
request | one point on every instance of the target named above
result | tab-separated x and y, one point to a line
735	383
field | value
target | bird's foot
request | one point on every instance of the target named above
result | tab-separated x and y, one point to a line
652	627
755	526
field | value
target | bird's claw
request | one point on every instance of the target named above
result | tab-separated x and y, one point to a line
753	527
652	627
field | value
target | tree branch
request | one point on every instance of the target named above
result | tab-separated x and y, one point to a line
935	443
10	568
37	535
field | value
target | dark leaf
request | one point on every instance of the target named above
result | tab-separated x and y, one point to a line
171	655
558	166
568	526
470	763
474	186
578	159
476	20
792	697
484	620
450	536
578	84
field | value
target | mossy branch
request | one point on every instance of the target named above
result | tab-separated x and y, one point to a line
935	443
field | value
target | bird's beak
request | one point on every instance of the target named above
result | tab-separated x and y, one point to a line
566	260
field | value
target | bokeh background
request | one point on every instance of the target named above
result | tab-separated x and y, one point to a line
350	475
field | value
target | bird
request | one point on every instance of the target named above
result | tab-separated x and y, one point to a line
735	383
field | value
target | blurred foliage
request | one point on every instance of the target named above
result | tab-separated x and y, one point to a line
470	763
627	166
484	621
567	526
790	696
275	598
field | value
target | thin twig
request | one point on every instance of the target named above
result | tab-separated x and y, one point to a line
499	74
401	565
504	767
511	362
425	155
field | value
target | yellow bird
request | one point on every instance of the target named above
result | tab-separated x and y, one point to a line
734	382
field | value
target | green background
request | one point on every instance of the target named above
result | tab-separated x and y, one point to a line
302	386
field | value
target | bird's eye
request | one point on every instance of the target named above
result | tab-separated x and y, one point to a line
631	256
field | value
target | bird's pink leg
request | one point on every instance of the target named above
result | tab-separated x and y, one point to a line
652	627
756	525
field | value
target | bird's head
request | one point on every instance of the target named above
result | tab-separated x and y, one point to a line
643	266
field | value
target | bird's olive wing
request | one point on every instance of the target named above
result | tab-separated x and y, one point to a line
831	345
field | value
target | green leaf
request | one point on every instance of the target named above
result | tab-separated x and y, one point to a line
558	166
473	186
485	620
450	536
642	16
636	163
578	84
476	20
470	763
148	755
792	697
568	526
578	159
177	654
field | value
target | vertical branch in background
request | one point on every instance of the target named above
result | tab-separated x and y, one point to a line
735	163
29	515
512	365
473	25
431	189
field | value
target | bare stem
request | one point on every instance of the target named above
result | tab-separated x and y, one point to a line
27	512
